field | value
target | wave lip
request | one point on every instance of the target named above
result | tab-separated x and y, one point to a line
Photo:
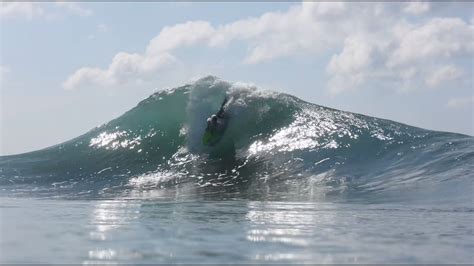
276	145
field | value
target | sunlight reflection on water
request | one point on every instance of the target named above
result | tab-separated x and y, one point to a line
189	230
107	218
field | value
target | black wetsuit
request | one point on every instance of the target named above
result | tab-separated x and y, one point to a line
213	125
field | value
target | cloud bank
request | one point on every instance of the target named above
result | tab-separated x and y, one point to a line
401	44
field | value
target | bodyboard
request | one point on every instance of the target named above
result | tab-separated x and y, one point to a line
209	138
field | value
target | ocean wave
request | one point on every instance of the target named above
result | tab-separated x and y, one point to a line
276	145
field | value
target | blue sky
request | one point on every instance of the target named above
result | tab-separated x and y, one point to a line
68	67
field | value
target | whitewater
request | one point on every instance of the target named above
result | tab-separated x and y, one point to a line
290	181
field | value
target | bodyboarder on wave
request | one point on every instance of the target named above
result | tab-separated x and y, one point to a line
216	125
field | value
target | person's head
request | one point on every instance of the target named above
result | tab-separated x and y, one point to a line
214	118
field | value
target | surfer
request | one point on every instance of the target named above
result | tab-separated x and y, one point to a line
216	122
216	125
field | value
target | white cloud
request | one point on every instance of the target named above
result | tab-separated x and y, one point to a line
273	35
124	68
32	10
461	102
25	10
349	68
438	38
370	43
302	29
409	56
185	34
127	67
417	8
443	74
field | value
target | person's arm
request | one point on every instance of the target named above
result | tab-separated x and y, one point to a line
221	112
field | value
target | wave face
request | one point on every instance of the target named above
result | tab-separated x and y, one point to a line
276	146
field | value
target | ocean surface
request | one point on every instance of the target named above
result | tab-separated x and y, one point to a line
290	181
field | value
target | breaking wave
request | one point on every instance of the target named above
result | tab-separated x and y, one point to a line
276	146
